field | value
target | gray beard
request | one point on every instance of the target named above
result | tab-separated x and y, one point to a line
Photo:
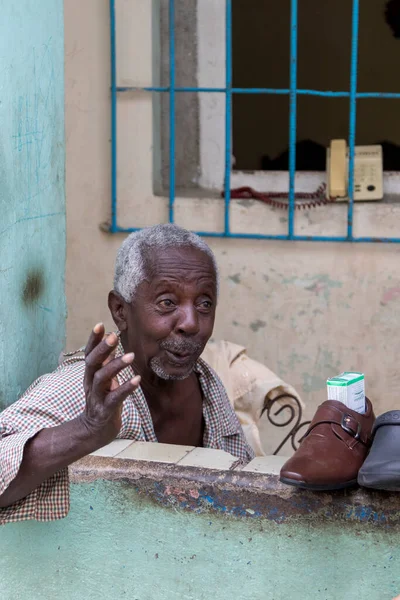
158	369
174	346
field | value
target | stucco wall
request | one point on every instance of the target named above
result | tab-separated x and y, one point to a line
307	310
32	201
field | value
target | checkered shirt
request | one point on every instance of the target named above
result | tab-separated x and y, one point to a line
59	396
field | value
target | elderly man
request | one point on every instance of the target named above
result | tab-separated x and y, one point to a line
146	382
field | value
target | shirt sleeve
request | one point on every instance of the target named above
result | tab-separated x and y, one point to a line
51	400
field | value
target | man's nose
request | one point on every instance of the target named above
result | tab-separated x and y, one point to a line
188	322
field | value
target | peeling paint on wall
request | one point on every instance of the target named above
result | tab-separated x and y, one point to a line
320	285
236	278
325	366
313	383
256	325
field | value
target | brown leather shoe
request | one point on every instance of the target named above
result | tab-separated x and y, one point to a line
333	450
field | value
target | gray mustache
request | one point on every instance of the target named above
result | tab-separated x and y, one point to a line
181	346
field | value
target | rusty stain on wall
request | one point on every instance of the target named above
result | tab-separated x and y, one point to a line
390	295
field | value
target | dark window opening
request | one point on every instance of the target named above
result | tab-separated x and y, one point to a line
261	42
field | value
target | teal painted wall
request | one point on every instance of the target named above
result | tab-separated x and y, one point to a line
116	543
32	192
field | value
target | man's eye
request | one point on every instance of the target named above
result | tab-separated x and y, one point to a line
206	304
166	303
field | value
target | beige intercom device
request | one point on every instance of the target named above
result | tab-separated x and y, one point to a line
368	172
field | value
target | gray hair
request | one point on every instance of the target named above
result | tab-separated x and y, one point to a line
130	266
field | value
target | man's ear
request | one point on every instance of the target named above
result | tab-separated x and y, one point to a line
118	307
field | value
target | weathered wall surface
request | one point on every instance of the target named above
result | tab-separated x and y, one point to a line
147	530
307	310
32	202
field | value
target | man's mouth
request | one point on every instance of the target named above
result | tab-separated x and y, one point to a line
179	358
181	352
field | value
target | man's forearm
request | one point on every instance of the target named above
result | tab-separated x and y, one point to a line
49	451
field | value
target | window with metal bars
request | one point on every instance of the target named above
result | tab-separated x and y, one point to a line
229	93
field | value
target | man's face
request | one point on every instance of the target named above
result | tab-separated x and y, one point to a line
172	315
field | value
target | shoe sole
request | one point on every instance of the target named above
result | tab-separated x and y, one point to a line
375	481
319	488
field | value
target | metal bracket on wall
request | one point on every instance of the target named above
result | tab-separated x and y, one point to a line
294	419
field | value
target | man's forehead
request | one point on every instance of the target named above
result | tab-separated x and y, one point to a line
178	259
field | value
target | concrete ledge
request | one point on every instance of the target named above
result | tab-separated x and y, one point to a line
143	529
240	492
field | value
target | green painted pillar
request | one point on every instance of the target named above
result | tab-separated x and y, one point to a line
32	192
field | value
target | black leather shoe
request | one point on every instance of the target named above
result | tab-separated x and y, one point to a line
381	469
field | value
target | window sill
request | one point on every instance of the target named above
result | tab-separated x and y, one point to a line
204	211
306	181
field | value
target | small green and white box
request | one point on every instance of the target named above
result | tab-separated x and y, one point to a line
348	388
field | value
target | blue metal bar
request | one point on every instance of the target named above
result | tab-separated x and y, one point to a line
228	114
171	110
352	114
296	238
292	114
374	240
387	95
323	93
267	91
272	91
113	119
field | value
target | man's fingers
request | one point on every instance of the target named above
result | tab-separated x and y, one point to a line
96	335
99	353
102	380
117	396
114	384
110	357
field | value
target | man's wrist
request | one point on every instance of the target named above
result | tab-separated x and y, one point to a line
91	434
